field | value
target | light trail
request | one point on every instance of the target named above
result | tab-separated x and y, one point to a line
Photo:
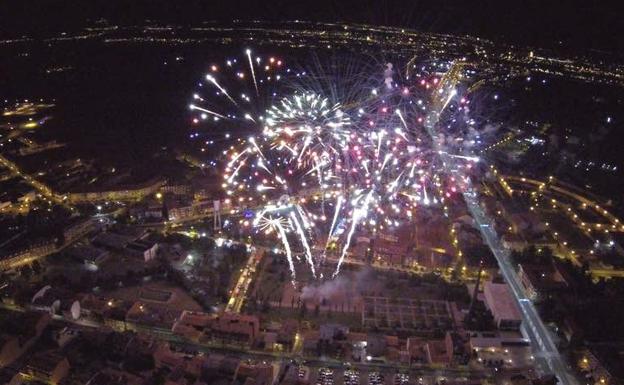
194	107
212	80
304	241
253	73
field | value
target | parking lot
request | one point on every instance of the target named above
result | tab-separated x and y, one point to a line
356	376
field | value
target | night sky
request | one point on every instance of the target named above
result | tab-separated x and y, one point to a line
584	25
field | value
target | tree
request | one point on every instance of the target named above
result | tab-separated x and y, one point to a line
139	363
60	239
266	306
158	378
26	271
516	257
303	310
456	273
36	267
131	277
477	254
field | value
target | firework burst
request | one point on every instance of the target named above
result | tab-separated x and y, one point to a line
314	167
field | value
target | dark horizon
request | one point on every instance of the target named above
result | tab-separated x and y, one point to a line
576	25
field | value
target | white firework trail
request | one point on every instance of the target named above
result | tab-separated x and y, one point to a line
358	213
253	73
276	224
194	107
334	220
212	80
304	242
284	239
398	112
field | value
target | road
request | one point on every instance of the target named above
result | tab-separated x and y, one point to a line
546	353
614	224
533	326
40	187
239	292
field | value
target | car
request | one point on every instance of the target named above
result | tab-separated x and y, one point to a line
401	379
351	377
375	378
325	377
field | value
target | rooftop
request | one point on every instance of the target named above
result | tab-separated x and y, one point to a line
500	301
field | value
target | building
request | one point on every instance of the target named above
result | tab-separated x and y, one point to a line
311	343
91	256
219	368
203	186
191	324
27	255
287	333
18	333
48	367
571	330
129	242
112	241
164	357
502	304
415	351
526	223
362	249
144	249
180	211
176	189
596	368
152	211
10	349
65	335
112	312
4	205
234	328
514	242
78	229
493	350
146	313
254	374
392	247
27	197
539	281
435	258
227	328
439	352
122	193
330	332
376	345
